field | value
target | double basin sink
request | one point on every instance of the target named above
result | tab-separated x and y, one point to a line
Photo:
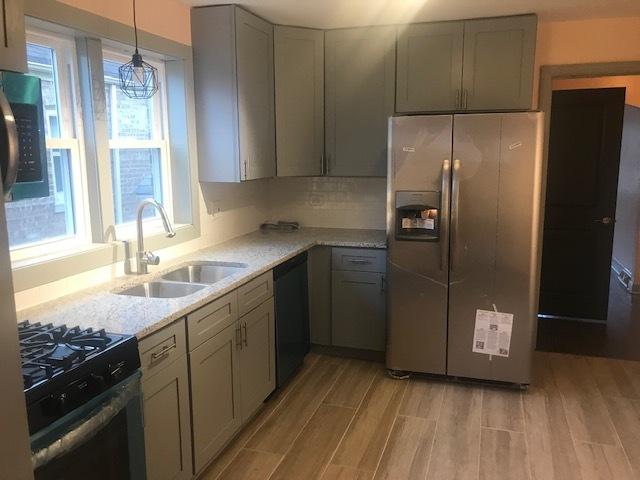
185	280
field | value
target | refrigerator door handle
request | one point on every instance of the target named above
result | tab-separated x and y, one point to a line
455	200
445	199
13	152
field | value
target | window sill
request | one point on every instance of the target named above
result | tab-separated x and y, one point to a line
37	271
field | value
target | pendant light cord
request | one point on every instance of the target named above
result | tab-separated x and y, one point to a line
135	25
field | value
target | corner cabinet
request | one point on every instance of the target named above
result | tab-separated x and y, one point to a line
234	94
472	65
359	99
299	84
13	46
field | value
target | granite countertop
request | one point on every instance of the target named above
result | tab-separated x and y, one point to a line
99	307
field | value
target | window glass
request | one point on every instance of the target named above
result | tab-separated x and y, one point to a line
137	149
51	218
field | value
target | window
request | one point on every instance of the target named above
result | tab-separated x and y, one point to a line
57	220
137	145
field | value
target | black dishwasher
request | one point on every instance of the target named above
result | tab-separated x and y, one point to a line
292	316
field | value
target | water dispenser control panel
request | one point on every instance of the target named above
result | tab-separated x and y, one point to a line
418	216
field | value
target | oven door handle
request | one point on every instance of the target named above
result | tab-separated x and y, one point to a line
110	404
13	151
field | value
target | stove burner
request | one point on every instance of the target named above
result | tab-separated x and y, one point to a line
47	350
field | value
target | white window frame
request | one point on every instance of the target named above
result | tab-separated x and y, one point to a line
71	139
160	141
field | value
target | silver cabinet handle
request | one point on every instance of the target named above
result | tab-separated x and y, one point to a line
246	340
382	284
239	337
359	261
458	99
13	151
164	351
445	199
465	98
455	202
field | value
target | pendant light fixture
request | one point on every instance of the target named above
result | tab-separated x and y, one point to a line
138	79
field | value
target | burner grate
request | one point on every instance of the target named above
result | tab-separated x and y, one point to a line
47	350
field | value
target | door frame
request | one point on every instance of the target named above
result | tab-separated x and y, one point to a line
545	91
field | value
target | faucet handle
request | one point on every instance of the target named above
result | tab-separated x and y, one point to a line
151	259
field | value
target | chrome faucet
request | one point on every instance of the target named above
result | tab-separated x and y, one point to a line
144	258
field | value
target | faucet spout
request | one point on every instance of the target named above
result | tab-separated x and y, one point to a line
144	258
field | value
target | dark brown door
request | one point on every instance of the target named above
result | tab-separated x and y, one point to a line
582	180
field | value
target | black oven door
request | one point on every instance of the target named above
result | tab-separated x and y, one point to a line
101	440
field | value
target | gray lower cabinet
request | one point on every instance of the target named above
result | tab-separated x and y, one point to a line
234	94
299	83
498	63
231	363
13	54
359	98
215	383
358	306
429	77
167	427
257	358
475	65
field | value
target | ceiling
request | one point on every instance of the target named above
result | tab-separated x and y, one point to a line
346	13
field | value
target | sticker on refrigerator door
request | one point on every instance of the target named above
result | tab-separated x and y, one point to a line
408	149
492	333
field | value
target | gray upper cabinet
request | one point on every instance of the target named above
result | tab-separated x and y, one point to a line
234	92
479	65
257	358
299	84
498	63
429	67
167	426
360	91
13	50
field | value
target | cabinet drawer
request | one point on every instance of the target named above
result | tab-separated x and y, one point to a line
252	294
162	348
359	259
211	319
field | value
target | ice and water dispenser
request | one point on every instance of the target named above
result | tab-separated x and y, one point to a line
418	216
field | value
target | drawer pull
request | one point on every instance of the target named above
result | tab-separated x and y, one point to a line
359	262
165	351
246	342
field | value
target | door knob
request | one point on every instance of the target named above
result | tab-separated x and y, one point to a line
604	220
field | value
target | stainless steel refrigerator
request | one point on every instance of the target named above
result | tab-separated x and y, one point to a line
463	225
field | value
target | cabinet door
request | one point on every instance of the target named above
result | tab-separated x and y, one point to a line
167	427
360	90
358	310
429	77
257	358
215	383
13	50
254	50
498	63
299	74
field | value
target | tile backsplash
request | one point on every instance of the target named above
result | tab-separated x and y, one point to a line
337	202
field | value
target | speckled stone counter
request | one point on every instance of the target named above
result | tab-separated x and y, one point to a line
99	307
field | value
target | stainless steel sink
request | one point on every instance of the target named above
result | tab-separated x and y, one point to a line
162	290
204	272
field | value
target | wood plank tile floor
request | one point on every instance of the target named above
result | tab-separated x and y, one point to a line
344	419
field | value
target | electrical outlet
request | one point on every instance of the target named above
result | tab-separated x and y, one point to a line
214	208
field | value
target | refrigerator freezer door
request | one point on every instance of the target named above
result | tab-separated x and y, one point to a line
494	239
417	272
15	455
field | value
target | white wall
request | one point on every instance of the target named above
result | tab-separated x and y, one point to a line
626	240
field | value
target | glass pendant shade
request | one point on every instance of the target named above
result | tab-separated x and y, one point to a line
138	79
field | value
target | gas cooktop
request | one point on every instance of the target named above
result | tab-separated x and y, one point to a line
64	367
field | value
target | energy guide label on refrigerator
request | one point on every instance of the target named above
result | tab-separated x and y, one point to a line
492	333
